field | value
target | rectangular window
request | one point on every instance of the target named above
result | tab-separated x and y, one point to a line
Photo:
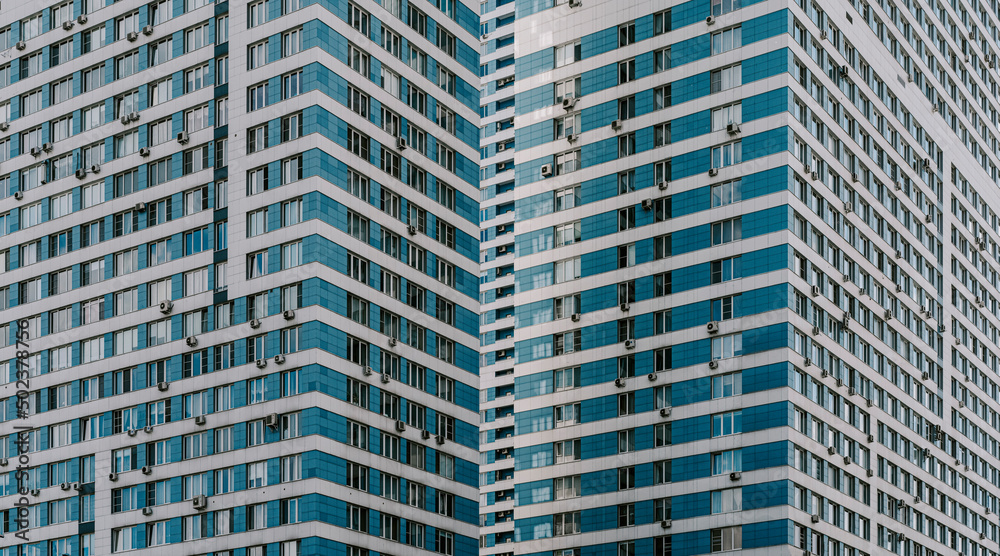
727	538
357	59
727	231
567	53
724	41
257	97
727	385
730	345
291	84
567	162
727	78
729	423
726	193
726	269
722	117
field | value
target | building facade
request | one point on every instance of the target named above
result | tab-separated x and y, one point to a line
755	288
497	270
304	381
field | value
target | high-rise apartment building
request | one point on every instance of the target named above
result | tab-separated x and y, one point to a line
302	382
755	286
497	273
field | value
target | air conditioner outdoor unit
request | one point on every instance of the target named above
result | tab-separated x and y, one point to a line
21	45
147	511
439	439
814	290
82	19
200	502
191	341
629	344
81	173
113	477
814	176
847	460
400	143
400	426
386	378
666	523
147	30
425	434
261	363
733	129
393	342
848	207
140	207
144	152
64	486
279	359
132	36
616	124
712	172
569	102
735	476
624	307
36	151
546	170
147	469
710	20
651	377
132	432
163	386
815	518
663	185
183	138
575	317
76	486
18	195
501	146
133	116
367	371
4	126
712	327
574	3
200	420
166	306
272	420
124	120
67	25
288	314
571	138
412	230
647	204
255	323
665	412
713	364
620	382
843	70
148	429
831	450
